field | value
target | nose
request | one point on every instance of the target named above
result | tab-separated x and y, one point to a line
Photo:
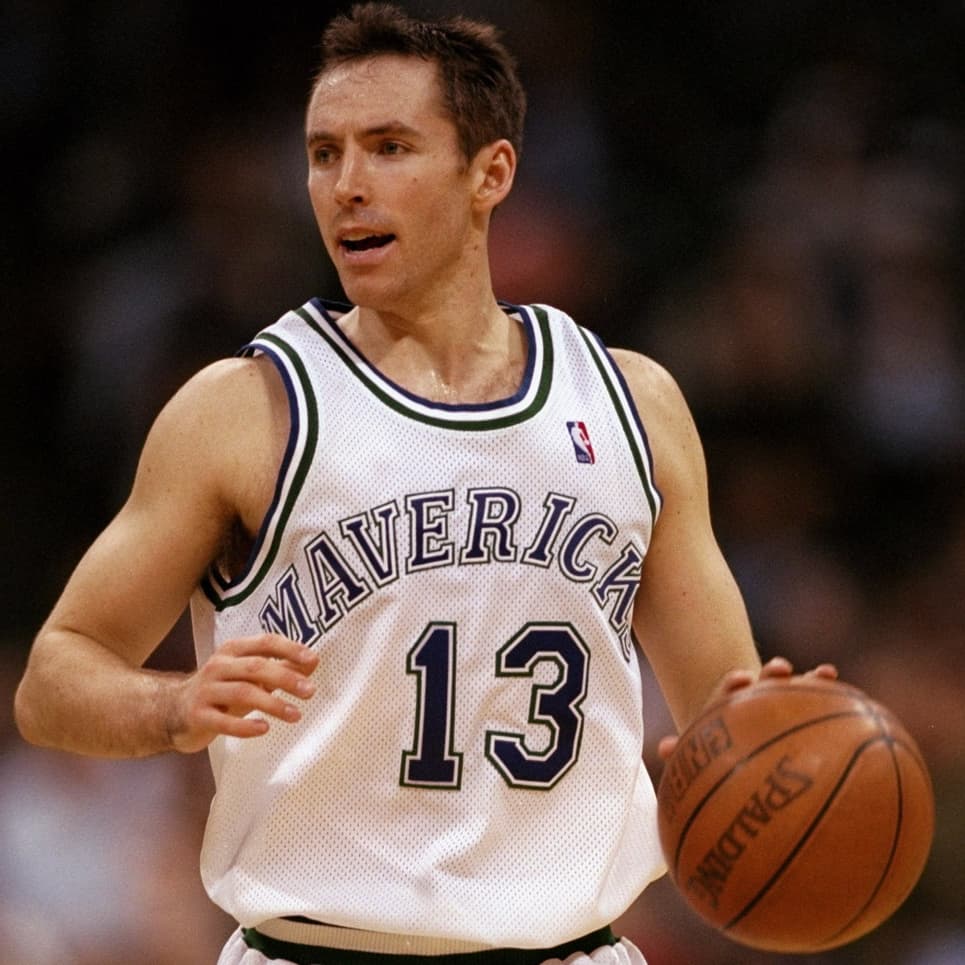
350	186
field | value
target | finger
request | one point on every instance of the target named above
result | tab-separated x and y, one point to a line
666	746
274	646
736	680
826	671
272	675
268	673
777	667
228	725
238	699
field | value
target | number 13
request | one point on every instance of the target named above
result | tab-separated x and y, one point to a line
433	761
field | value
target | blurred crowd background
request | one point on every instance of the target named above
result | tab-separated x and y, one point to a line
768	197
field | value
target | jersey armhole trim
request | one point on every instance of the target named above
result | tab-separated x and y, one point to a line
299	451
629	417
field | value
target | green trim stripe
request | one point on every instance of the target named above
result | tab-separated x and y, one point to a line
289	484
275	948
625	409
466	418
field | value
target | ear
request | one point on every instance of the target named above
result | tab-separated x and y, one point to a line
494	168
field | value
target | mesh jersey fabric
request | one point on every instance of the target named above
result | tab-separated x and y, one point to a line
470	765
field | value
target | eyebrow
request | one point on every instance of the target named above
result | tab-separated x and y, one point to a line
377	130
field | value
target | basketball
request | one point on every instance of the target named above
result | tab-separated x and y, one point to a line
796	814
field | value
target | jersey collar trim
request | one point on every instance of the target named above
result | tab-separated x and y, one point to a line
526	402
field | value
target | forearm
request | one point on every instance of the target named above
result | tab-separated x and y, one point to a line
77	695
695	632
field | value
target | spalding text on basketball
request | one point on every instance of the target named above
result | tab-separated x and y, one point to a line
780	788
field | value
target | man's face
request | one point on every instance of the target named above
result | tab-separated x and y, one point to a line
389	186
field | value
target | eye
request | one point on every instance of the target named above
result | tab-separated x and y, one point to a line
323	154
392	148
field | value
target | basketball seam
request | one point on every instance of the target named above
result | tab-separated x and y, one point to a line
892	742
757	750
904	760
805	837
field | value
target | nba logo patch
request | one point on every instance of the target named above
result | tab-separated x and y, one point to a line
582	447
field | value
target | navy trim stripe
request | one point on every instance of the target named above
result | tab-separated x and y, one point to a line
291	476
628	415
525	403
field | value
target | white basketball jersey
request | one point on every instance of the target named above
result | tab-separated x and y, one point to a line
470	766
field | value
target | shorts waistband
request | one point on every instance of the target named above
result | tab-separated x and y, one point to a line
305	942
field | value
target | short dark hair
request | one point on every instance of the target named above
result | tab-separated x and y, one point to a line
480	87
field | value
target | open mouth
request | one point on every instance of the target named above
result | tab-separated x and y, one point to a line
367	243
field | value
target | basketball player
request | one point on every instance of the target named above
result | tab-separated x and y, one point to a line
421	535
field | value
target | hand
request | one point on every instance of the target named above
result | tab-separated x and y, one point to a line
734	680
241	676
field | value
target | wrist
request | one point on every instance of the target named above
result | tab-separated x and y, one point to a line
173	702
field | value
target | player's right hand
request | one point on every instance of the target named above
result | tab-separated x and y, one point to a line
243	675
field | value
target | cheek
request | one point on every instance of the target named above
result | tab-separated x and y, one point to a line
322	212
318	191
314	201
444	217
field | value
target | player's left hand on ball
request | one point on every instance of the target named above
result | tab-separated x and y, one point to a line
734	680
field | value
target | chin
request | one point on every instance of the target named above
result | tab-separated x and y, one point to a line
363	295
371	294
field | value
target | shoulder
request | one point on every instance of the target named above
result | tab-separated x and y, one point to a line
674	441
222	398
641	371
224	394
220	434
239	378
655	391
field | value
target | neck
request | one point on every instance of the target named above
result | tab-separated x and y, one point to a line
458	353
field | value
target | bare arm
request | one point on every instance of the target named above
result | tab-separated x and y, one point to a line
689	615
204	468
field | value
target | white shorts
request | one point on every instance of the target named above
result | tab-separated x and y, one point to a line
624	952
